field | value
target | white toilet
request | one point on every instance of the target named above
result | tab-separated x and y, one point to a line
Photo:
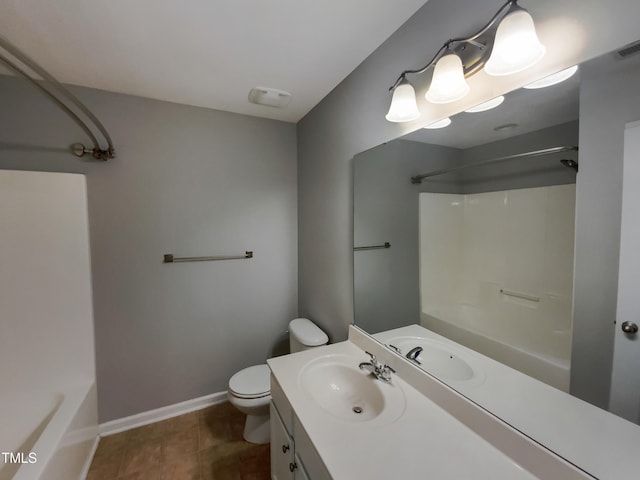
249	389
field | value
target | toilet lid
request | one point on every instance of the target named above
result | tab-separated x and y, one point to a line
252	382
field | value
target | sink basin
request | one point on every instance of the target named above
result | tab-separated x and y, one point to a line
435	358
338	386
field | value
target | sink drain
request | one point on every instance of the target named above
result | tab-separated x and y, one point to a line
357	409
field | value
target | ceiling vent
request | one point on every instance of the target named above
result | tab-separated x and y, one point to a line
629	50
269	97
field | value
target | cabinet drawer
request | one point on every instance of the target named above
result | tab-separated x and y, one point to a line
282	448
282	405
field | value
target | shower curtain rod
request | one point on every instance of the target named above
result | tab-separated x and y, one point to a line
58	94
417	179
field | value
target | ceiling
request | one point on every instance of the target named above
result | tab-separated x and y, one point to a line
206	53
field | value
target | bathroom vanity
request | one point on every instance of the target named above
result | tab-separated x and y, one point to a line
292	453
331	419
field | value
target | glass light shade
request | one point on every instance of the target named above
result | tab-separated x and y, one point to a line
448	83
404	107
445	122
483	107
554	78
516	46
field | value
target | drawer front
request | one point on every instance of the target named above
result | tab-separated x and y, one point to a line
282	404
282	448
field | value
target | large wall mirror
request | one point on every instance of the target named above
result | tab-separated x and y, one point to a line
480	246
465	231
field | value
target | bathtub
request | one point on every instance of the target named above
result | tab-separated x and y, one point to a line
547	359
47	436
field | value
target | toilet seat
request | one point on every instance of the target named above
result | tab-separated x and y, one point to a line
251	382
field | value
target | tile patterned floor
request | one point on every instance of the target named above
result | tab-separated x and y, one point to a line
202	445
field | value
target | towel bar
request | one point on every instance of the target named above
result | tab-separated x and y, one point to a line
169	258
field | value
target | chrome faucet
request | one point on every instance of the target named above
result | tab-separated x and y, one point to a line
413	355
381	372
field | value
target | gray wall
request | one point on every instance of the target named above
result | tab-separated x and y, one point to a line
347	121
351	119
386	281
188	181
608	99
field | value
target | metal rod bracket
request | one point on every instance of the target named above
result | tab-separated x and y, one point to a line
79	150
20	63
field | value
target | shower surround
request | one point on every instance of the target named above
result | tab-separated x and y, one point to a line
496	274
48	403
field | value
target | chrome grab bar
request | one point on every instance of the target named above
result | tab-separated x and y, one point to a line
519	295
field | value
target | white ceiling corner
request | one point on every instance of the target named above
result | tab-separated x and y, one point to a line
206	53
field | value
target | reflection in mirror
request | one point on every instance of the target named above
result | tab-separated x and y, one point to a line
482	240
500	282
482	258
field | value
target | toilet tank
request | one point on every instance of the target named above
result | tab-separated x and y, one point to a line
304	334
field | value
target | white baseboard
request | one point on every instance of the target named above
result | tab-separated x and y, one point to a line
162	413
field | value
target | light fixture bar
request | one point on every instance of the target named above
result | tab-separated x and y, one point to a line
507	44
451	43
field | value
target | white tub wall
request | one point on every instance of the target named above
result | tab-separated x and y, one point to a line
443	231
46	327
554	372
520	240
74	452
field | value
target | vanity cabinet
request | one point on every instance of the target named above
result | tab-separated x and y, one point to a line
293	456
282	457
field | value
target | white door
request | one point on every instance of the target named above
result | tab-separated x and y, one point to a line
625	379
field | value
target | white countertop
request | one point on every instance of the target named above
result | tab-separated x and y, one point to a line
606	446
426	441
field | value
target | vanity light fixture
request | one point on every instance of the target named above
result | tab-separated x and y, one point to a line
445	122
448	83
554	78
488	105
509	48
516	46
404	107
